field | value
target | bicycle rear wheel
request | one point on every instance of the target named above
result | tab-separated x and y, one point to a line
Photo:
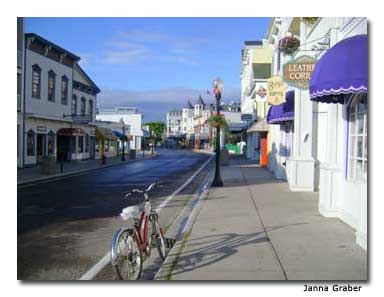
129	261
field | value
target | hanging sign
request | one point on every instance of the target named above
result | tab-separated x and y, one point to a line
276	89
297	73
261	91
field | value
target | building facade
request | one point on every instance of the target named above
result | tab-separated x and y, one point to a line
329	148
55	124
255	70
20	92
130	116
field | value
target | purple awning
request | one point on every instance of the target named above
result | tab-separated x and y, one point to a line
278	114
342	70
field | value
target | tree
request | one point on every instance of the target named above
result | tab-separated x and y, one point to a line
156	130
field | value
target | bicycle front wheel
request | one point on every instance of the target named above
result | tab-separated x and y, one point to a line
159	238
129	261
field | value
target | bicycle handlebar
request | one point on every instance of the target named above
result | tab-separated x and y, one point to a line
141	190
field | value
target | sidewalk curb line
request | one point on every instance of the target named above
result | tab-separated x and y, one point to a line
59	176
163	274
95	269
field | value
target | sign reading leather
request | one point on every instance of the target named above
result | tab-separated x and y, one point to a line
297	73
276	89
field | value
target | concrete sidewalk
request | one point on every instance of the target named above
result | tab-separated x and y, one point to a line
255	228
33	174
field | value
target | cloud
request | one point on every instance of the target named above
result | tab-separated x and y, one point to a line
129	54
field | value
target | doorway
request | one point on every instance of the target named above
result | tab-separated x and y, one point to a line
41	147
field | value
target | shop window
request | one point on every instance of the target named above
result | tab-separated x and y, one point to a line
97	146
81	144
106	145
74	105
64	90
36	81
51	143
73	144
87	143
51	85
358	138
30	143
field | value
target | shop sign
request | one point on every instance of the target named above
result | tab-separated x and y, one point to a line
261	91
276	89
297	73
41	128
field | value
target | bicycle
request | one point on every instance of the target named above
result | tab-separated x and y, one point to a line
130	244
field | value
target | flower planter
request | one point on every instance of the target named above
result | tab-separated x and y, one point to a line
289	45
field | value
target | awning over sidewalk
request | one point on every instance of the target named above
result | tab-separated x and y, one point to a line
70	131
279	114
259	126
120	135
342	70
104	133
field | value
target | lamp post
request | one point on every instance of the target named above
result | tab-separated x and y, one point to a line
123	153
217	90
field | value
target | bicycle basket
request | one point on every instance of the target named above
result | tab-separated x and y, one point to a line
130	212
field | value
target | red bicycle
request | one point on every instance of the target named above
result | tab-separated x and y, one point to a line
129	245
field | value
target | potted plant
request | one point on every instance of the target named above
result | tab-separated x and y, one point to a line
218	120
310	20
289	44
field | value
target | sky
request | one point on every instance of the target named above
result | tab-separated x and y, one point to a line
155	64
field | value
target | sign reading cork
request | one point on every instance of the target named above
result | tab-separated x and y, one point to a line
297	73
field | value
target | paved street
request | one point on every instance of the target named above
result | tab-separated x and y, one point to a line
66	226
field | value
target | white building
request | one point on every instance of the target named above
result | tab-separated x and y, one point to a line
130	116
329	151
59	104
174	123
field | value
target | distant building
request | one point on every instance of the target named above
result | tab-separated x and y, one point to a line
20	92
130	116
174	123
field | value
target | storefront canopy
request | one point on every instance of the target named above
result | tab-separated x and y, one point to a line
104	133
342	70
70	131
120	135
279	114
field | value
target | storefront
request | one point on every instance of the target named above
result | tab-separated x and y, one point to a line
257	142
106	143
280	119
340	84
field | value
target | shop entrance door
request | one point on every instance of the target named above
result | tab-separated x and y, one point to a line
63	148
92	147
264	150
41	149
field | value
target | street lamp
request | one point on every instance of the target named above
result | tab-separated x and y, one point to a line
123	153
217	90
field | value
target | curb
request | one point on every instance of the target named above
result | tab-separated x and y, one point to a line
192	209
59	176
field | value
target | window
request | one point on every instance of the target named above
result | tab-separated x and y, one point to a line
90	110
30	143
73	144
82	106
87	143
51	143
51	85
19	85
64	90
81	144
106	145
358	138
74	105
36	81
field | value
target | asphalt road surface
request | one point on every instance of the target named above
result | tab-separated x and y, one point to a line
65	226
